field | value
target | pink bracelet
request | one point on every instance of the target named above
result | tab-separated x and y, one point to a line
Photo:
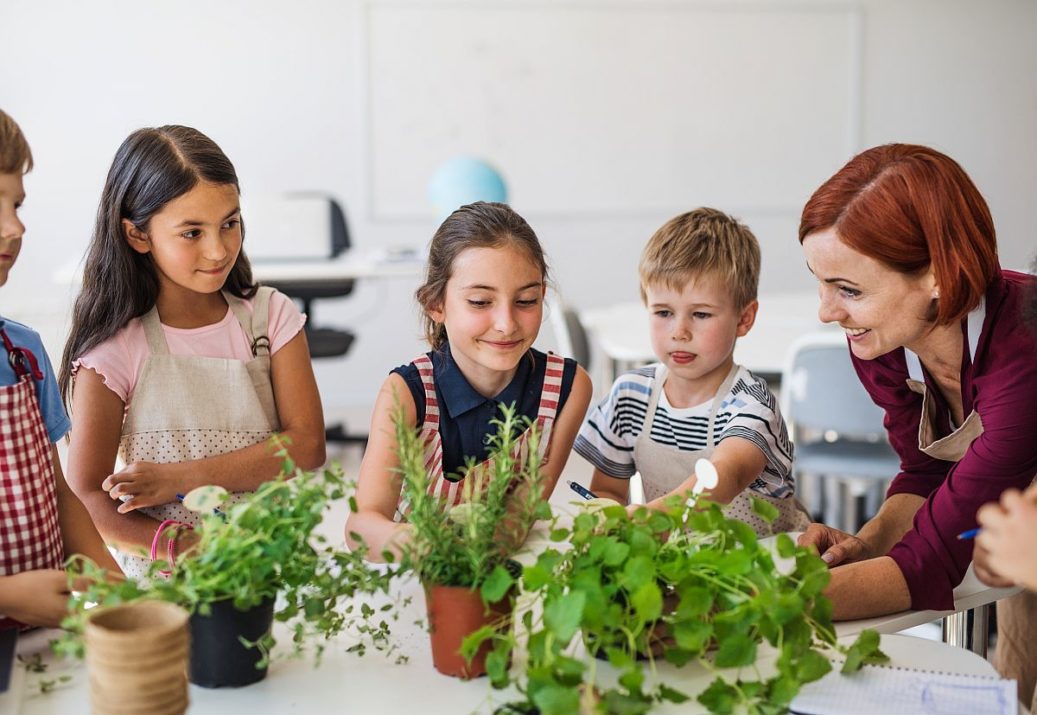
170	545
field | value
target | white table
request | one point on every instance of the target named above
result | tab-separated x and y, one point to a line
345	682
370	684
621	331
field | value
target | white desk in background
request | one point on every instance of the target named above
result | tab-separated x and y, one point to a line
621	331
354	264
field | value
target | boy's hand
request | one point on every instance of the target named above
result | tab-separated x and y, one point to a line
1008	538
835	547
145	483
36	598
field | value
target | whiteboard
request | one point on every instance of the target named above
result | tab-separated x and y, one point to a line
612	108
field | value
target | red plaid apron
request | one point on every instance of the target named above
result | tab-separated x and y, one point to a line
451	492
30	535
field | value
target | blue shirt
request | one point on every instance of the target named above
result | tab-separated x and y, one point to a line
54	416
465	415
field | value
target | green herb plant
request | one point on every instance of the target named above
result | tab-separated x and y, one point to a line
259	548
471	543
684	584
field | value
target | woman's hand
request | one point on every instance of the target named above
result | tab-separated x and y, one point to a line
36	598
835	547
1004	551
145	483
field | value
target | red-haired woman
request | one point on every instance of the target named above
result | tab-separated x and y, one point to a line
903	247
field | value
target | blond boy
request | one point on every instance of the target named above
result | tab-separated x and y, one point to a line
699	275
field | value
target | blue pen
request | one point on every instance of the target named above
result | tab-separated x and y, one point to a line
970	534
585	493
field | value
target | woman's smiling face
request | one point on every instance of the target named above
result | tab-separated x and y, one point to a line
879	308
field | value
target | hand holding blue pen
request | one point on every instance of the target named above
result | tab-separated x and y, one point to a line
970	534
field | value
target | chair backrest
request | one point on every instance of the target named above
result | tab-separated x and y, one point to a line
820	390
568	337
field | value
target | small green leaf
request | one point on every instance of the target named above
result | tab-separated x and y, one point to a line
719	697
647	601
674	696
554	699
812	666
864	650
563	615
496	585
737	649
692	635
765	510
616	553
786	546
637	572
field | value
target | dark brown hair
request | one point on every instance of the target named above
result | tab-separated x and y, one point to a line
150	169
478	225
911	207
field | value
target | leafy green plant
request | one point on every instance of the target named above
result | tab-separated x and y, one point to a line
685	584
470	544
260	548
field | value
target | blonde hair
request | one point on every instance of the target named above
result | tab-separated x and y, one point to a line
703	242
15	155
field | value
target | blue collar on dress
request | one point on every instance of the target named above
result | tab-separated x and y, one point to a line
460	397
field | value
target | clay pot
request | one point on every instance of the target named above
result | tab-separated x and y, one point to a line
455	612
218	657
136	657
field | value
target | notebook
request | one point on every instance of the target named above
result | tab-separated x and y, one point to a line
894	690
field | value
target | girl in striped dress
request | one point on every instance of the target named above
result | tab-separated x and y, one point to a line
482	303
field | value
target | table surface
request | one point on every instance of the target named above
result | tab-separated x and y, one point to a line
373	683
621	330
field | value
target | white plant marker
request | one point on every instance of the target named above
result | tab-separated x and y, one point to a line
706	476
202	500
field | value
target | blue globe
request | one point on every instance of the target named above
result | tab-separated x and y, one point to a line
461	181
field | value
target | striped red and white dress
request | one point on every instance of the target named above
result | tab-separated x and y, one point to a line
30	534
451	492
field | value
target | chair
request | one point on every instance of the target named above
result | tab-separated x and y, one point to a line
838	432
569	339
310	226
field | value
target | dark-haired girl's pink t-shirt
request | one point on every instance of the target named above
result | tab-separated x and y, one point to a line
1000	382
119	359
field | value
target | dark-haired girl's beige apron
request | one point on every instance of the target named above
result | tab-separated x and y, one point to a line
668	467
1016	655
186	407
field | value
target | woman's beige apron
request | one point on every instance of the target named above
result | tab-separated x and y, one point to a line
186	407
669	467
1016	655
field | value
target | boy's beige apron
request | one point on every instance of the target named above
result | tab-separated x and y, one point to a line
1016	655
669	467
186	408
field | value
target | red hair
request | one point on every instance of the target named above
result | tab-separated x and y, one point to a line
911	207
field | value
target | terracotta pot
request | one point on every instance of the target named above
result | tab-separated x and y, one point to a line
218	657
454	612
136	656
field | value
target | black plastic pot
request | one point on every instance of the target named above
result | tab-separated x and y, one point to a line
218	657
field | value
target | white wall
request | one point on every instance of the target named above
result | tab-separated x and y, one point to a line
606	118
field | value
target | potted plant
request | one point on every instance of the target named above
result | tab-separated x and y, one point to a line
685	584
257	561
462	555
